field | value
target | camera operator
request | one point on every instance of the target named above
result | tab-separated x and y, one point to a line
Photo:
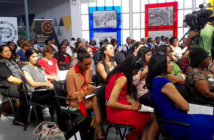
198	23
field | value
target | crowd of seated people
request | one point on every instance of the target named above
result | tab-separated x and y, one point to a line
160	68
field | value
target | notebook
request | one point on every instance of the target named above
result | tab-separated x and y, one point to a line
145	109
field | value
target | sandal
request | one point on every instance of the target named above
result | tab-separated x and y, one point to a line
18	123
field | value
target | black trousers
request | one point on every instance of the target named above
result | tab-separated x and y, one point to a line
42	97
14	90
144	99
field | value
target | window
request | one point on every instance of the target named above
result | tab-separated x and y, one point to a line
184	7
136	27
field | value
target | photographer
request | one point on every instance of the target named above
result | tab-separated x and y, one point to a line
198	23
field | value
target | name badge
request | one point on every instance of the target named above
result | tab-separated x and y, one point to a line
50	63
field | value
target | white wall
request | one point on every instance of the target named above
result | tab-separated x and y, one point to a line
48	9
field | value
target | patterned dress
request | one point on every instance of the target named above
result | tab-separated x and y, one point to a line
197	75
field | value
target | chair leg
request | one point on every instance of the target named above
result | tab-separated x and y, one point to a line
34	108
72	126
28	117
124	133
11	104
1	107
107	132
52	112
116	130
120	133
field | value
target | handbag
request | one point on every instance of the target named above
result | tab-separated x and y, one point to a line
49	131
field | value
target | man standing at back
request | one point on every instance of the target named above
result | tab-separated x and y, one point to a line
127	46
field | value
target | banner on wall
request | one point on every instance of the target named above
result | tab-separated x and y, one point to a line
8	29
43	30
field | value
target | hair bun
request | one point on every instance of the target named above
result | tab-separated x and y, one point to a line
81	50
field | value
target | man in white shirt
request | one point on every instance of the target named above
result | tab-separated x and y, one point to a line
117	48
157	44
68	49
19	44
126	48
166	41
72	43
162	42
143	40
178	52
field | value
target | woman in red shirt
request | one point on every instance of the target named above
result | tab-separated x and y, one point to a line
49	63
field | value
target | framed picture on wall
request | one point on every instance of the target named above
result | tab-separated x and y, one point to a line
161	16
105	19
107	35
154	34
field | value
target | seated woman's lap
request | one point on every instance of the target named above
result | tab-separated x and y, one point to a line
14	91
46	97
89	103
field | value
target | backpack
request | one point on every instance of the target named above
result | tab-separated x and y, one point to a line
49	131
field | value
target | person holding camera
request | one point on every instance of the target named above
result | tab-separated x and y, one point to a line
200	28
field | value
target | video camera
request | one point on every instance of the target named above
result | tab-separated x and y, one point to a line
197	21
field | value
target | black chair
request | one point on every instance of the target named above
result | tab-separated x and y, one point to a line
198	101
161	122
100	94
119	57
62	107
7	87
96	56
32	105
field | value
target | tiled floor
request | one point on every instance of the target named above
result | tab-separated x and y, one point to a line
8	131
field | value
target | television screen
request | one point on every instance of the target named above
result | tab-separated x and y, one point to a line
105	19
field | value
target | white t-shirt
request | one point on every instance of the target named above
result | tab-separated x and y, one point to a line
69	51
178	52
72	44
125	47
162	43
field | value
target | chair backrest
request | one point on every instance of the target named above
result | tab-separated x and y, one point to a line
96	56
101	101
60	90
119	57
158	117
